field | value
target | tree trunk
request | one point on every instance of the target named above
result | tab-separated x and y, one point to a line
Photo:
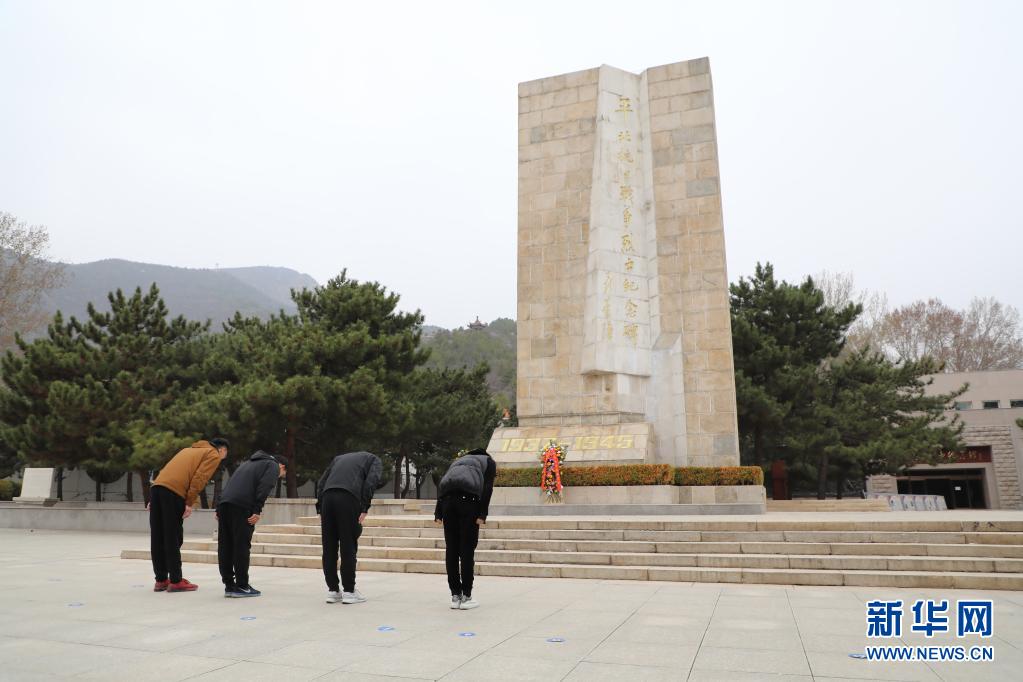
758	446
405	487
278	493
419	486
822	477
60	483
144	477
840	485
204	502
289	454
129	494
218	486
99	490
397	475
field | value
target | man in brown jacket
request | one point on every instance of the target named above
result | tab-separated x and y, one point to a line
170	502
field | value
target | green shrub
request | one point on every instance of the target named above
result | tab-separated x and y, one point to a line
719	476
9	490
623	474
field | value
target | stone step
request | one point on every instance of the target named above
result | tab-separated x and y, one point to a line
819	536
784	576
793	548
850	505
722	560
667	524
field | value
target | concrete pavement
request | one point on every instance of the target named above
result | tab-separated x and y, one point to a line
70	609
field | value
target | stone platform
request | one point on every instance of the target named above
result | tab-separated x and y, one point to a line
71	610
934	550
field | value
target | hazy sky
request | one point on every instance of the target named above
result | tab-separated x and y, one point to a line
882	139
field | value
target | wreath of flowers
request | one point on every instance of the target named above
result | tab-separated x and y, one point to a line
552	456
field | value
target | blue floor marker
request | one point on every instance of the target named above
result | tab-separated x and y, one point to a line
466	634
857	656
385	628
248	618
76	604
555	640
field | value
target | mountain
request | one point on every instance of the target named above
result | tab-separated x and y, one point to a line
198	294
493	344
276	283
262	291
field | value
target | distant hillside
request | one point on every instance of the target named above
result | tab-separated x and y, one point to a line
196	294
262	291
276	283
494	345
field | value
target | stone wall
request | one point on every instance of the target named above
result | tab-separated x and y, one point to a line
557	119
1003	458
692	278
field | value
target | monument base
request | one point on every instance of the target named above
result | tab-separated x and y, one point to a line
38	501
604	495
609	444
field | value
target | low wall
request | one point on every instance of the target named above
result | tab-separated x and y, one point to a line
95	517
132	517
636	494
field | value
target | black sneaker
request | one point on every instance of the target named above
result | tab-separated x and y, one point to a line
248	591
233	591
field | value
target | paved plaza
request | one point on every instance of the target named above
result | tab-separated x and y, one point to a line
71	609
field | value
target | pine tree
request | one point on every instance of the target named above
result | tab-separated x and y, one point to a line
317	383
88	392
871	413
444	411
39	382
781	333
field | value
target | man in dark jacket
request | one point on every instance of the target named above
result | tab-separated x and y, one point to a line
343	496
463	501
238	512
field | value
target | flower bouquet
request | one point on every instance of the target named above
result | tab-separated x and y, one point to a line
552	456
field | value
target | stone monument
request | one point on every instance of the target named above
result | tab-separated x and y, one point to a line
624	338
37	487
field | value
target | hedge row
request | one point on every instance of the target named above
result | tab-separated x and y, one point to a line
719	476
625	474
634	474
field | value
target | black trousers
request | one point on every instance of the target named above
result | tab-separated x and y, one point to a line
234	543
461	535
166	532
340	528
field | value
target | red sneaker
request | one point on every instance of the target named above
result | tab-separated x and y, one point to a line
183	586
161	586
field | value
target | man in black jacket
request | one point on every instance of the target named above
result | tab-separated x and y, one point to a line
238	511
463	501
343	496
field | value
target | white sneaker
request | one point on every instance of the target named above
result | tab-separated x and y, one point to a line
456	601
468	603
352	597
333	597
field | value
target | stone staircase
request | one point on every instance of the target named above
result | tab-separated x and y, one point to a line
846	505
930	554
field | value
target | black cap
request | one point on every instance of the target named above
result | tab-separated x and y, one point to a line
219	443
